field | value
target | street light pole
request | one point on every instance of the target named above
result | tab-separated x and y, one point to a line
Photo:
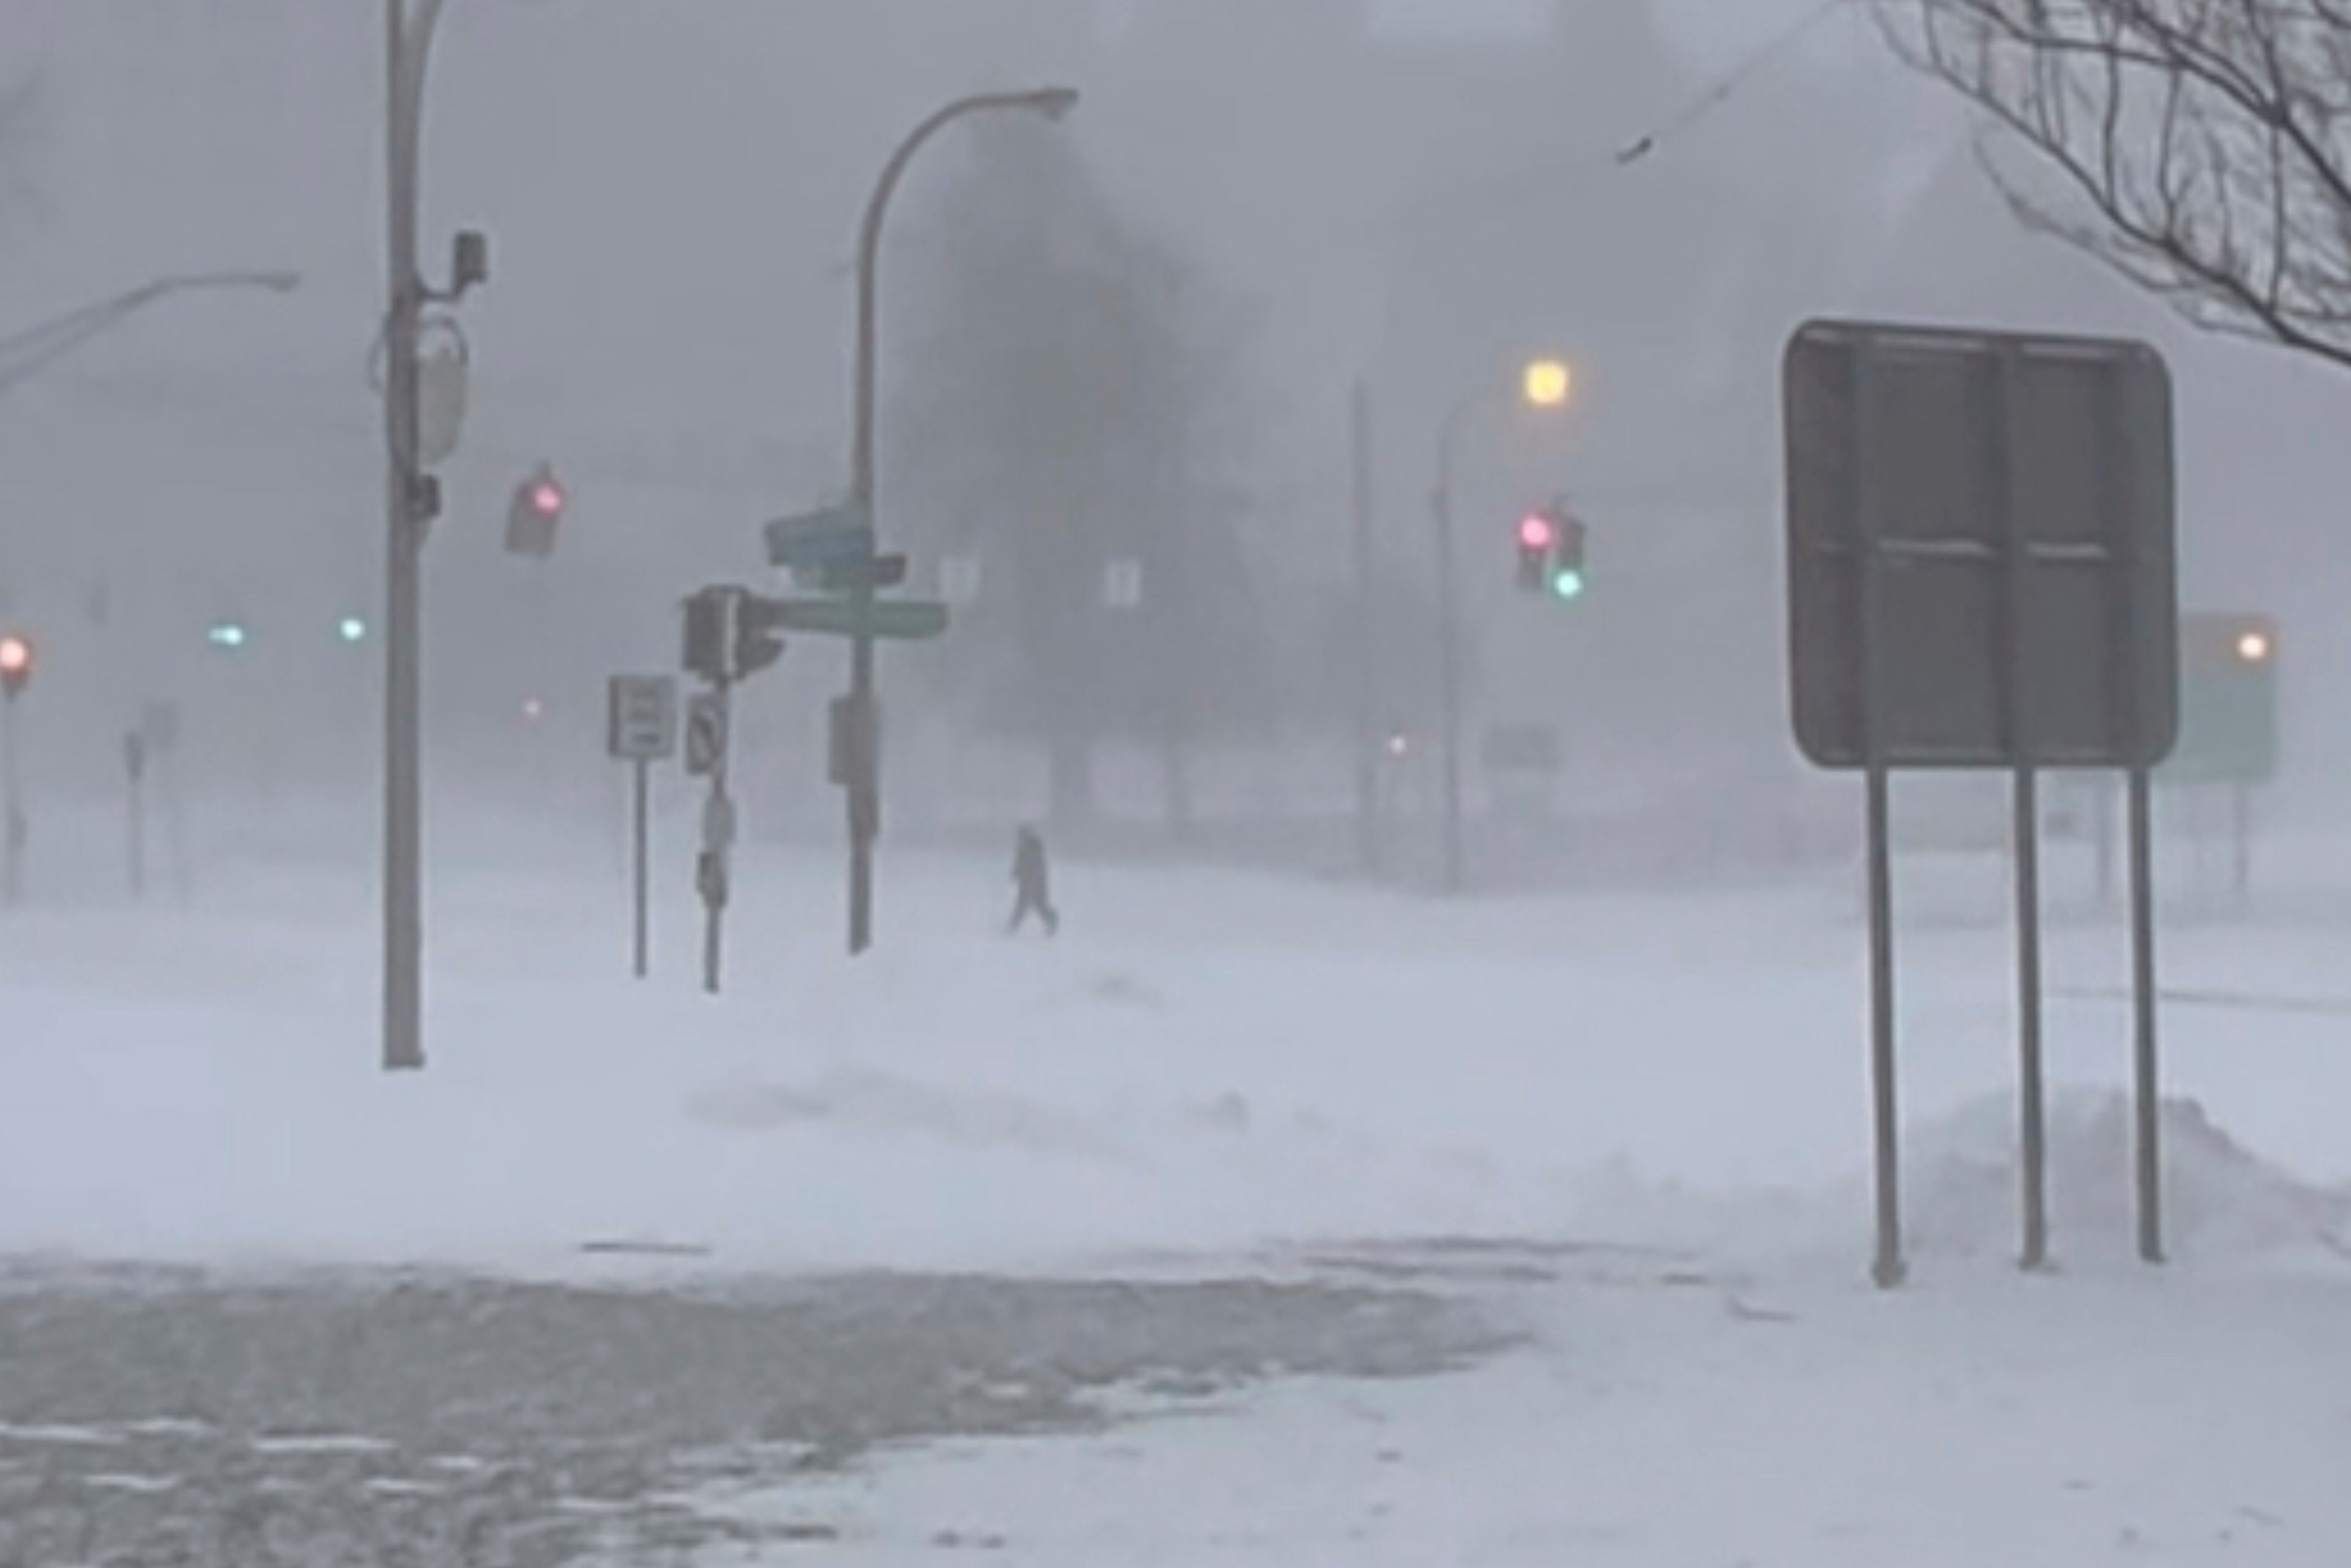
407	514
1367	642
864	783
1448	646
1545	385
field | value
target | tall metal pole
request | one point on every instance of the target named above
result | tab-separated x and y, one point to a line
864	784
1449	652
12	826
403	913
1367	645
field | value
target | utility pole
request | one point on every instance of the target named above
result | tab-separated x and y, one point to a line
865	785
1367	645
412	500
17	660
1546	386
1449	656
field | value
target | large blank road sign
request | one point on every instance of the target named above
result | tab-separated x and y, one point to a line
1980	549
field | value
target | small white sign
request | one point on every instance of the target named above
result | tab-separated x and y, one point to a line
1123	583
643	722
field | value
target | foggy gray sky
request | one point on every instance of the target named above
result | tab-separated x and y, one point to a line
673	190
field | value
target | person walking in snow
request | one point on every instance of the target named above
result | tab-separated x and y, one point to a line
1032	884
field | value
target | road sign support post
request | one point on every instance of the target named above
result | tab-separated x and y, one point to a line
2241	835
1886	1265
2146	1082
2016	700
641	728
640	837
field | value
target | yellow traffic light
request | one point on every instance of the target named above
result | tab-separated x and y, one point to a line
1549	383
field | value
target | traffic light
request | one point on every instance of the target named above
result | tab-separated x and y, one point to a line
1538	534
711	633
351	629
535	514
732	633
15	665
758	638
1567	571
1551	553
229	635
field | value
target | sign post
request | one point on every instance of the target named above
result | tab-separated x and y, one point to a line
1980	576
706	719
833	551
642	729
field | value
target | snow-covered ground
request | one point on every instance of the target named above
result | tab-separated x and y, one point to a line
1206	1060
1650	1108
1780	1421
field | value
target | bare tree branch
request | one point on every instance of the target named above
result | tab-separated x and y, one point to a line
2200	148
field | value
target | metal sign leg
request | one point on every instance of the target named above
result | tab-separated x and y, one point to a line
2032	1126
2241	830
2146	1087
641	833
1888	1268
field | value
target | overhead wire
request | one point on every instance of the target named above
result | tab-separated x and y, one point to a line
1721	91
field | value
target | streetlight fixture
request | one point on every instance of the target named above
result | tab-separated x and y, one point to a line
24	353
1053	103
1544	385
1548	383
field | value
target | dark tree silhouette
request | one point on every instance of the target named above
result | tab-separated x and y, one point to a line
2203	148
1068	422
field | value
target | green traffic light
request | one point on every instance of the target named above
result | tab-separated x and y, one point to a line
351	629
226	634
1567	582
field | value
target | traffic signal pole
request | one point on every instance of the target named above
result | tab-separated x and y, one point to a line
410	502
404	903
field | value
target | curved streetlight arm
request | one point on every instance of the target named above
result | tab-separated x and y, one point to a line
24	353
1051	102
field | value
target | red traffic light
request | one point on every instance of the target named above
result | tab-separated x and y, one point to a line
535	514
16	663
1536	532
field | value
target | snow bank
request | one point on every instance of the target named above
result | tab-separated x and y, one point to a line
2221	1200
